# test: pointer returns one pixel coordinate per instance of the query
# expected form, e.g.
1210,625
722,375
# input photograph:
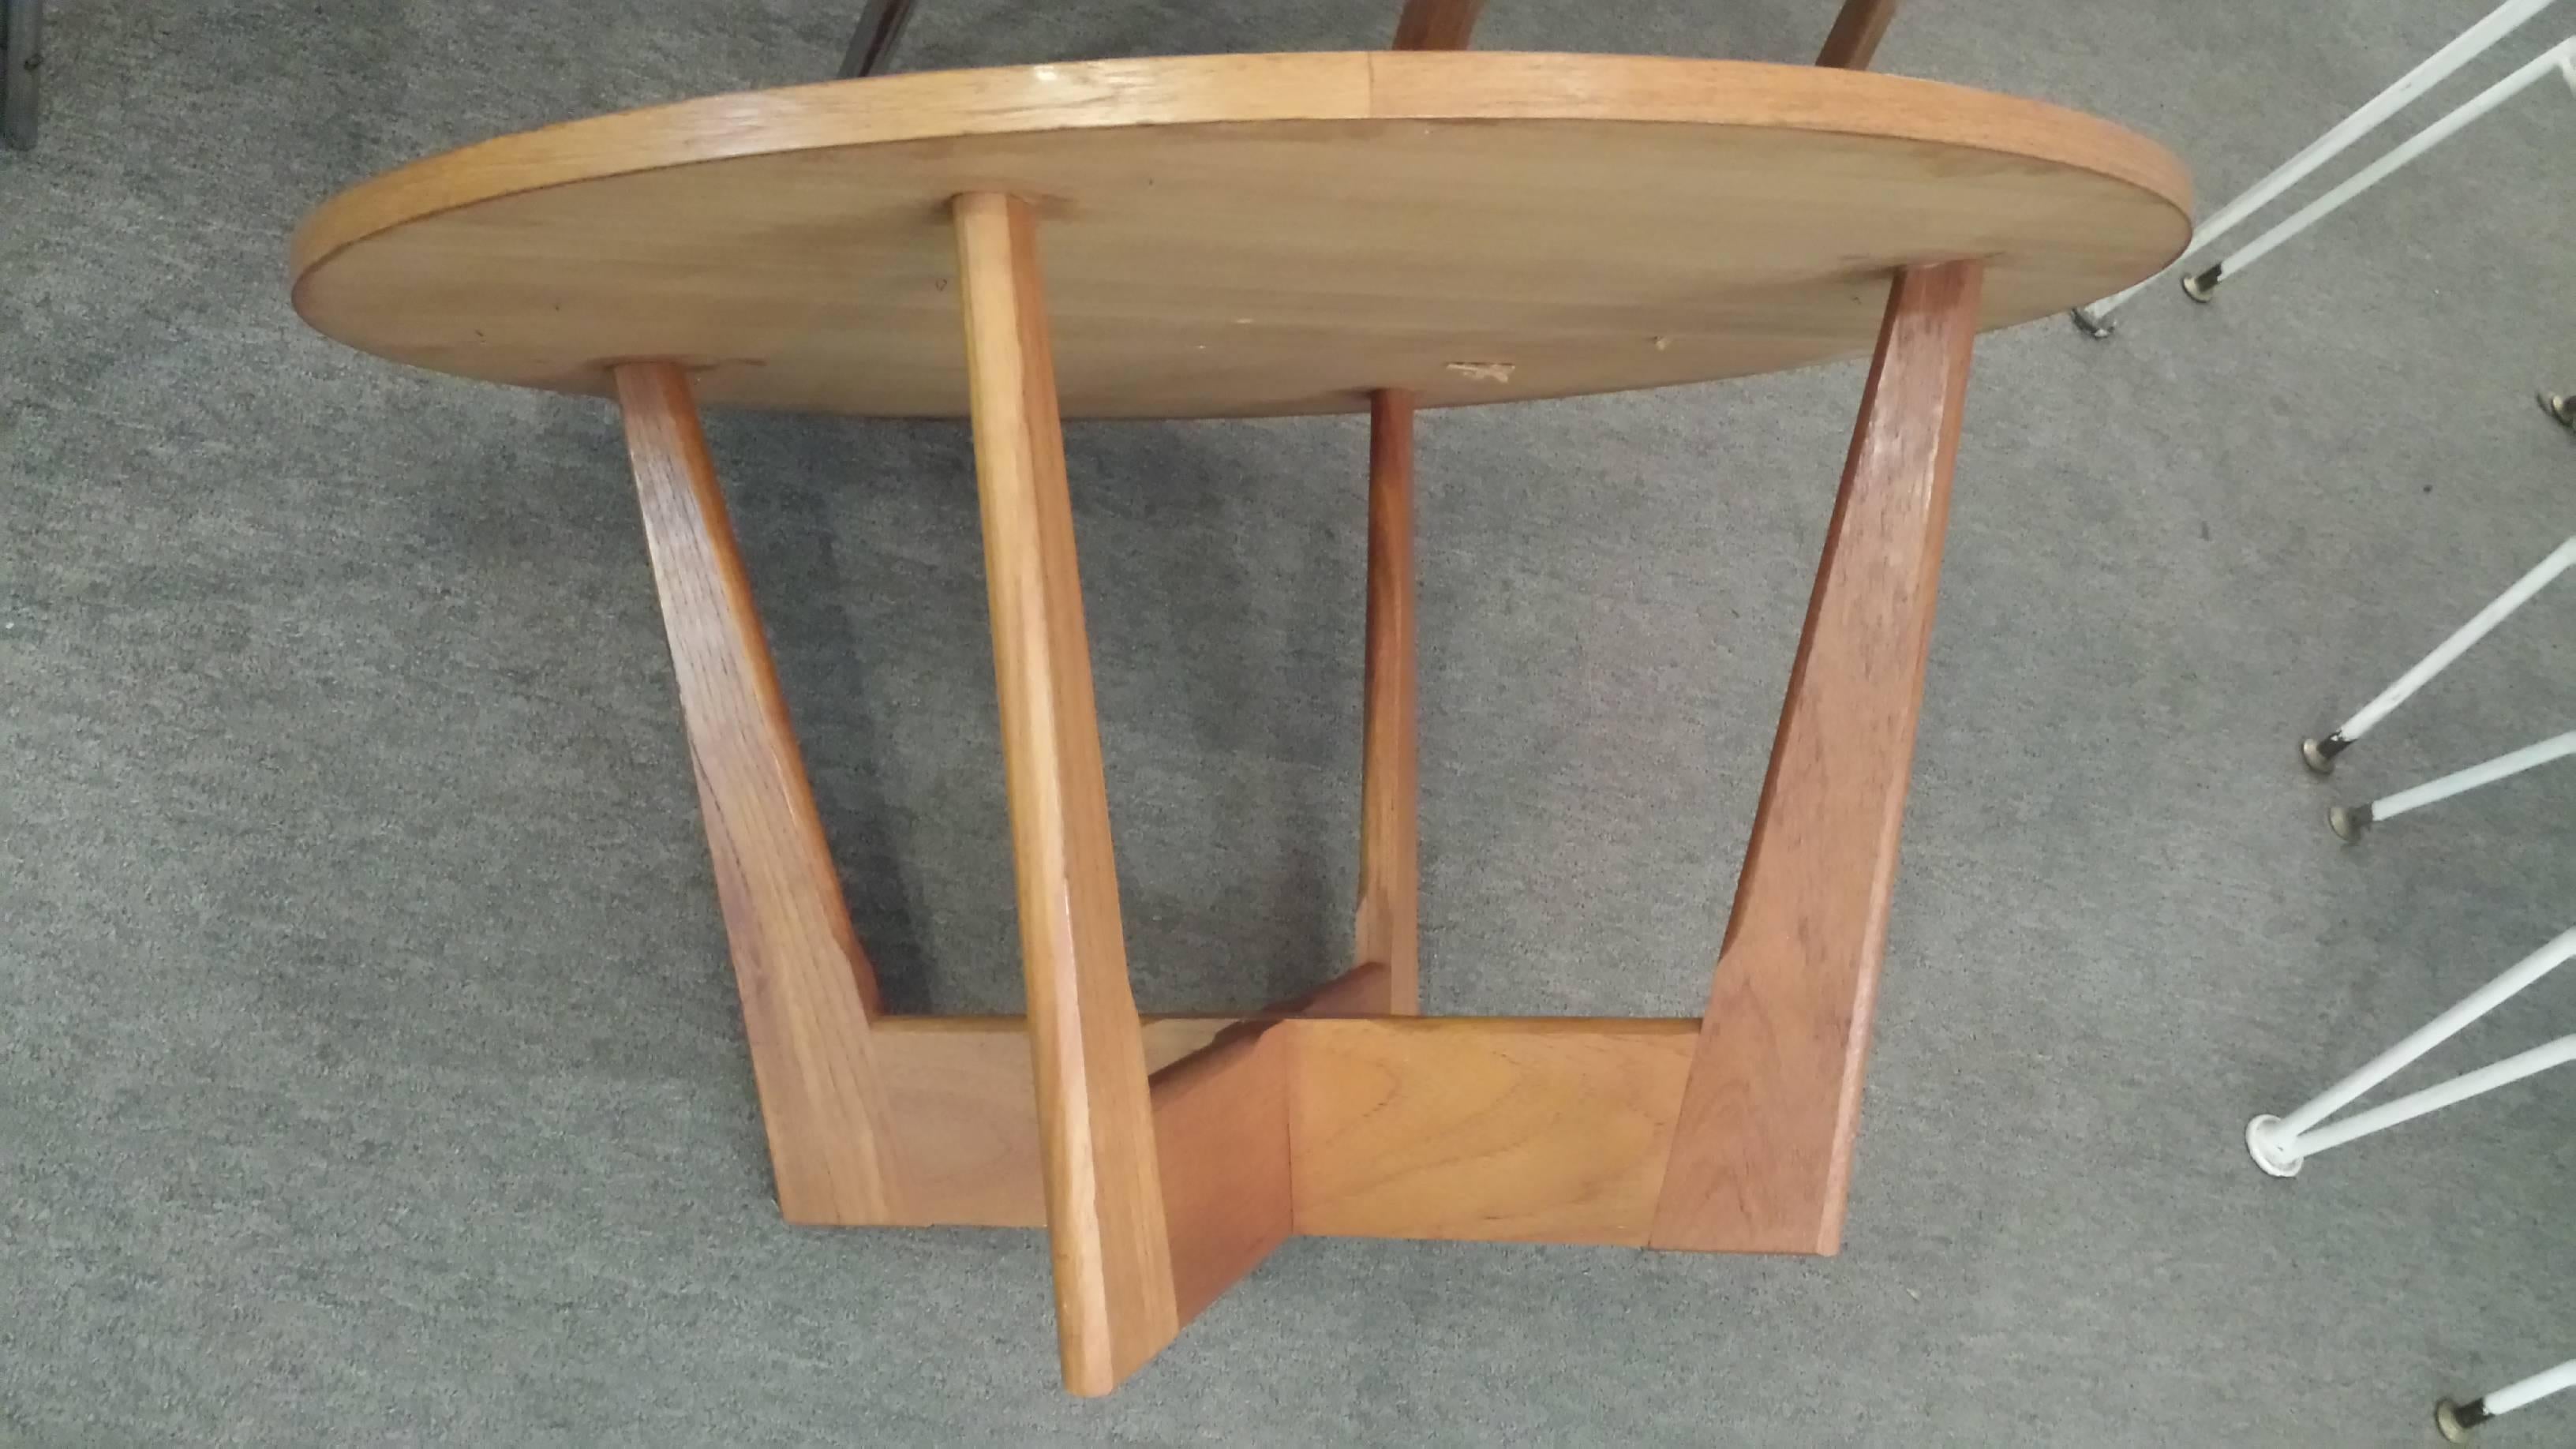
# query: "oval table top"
1241,235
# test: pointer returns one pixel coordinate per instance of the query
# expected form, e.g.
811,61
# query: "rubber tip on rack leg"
2559,405
2097,328
2456,1420
2262,1140
2319,755
2348,822
2201,286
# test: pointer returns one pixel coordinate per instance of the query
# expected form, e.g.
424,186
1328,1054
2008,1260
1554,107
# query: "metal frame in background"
22,57
2095,321
2281,1145
880,26
2200,286
2456,1420
2348,822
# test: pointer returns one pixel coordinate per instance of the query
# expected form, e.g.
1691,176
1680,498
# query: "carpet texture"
369,1066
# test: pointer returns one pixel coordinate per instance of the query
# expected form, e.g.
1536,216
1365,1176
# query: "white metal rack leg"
2281,1145
2202,285
2456,1420
2320,753
2095,320
2348,822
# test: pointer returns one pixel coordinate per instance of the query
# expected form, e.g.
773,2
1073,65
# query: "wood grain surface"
807,990
1221,1121
1550,1130
1387,931
1762,1156
964,1103
1529,1130
1112,1253
1242,235
1250,235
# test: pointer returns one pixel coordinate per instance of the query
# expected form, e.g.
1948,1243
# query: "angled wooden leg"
1389,921
1436,24
1113,1262
1762,1151
807,990
1856,33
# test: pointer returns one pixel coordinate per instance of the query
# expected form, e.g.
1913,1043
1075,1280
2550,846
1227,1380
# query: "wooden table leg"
1437,24
1388,929
1856,33
1114,1296
807,990
1762,1152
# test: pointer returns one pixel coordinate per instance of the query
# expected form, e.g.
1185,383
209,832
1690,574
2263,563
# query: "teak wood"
1242,235
807,989
1113,1258
1764,1147
1246,235
1221,1125
1548,1130
1388,925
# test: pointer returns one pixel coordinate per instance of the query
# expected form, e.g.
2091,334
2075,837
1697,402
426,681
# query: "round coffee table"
1257,235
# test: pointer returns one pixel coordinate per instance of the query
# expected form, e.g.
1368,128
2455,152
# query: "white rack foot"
2263,1139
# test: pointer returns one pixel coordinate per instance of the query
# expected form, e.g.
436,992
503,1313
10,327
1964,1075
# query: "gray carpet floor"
369,1065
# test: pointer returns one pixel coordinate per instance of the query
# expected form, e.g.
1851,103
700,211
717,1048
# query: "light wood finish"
1221,1121
1437,24
1531,1130
1113,1263
965,1085
1242,234
1763,1153
963,1090
1548,1130
1858,27
807,990
1388,929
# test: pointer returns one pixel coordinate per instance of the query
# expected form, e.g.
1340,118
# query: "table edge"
1218,89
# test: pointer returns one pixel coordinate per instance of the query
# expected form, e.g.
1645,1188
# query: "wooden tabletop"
1241,235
